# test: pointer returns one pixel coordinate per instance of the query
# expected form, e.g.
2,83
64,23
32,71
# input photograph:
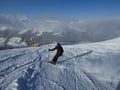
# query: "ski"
83,54
51,62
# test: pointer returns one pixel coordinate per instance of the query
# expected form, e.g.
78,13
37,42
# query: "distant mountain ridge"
49,29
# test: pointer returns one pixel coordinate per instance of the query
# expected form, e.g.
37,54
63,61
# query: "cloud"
55,29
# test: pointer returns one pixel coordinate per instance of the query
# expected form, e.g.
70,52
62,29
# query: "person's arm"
53,49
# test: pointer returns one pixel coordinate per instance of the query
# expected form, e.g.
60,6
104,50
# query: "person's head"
58,44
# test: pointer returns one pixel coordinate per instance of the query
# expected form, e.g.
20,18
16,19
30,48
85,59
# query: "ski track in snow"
9,72
28,69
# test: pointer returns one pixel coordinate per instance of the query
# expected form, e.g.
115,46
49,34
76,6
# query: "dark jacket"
59,50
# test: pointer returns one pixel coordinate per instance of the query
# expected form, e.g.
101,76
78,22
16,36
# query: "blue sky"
62,8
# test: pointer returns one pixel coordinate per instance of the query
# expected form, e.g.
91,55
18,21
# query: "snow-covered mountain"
93,66
49,29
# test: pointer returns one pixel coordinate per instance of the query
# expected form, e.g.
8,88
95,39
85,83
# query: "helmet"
58,44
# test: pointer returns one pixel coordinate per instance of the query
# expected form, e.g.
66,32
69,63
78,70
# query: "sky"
62,8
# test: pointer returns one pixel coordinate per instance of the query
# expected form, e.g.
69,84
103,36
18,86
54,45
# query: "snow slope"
93,66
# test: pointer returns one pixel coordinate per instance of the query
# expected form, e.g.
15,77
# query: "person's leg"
55,59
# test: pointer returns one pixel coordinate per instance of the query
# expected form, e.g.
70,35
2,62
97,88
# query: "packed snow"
90,66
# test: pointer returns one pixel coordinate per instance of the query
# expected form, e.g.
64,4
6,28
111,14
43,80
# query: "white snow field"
91,66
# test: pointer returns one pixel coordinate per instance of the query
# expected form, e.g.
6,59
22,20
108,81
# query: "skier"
59,53
30,42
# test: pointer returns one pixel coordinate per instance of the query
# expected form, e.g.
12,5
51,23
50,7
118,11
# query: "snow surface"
2,40
16,42
23,31
93,66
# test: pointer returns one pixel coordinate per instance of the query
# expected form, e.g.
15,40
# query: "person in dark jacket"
59,53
